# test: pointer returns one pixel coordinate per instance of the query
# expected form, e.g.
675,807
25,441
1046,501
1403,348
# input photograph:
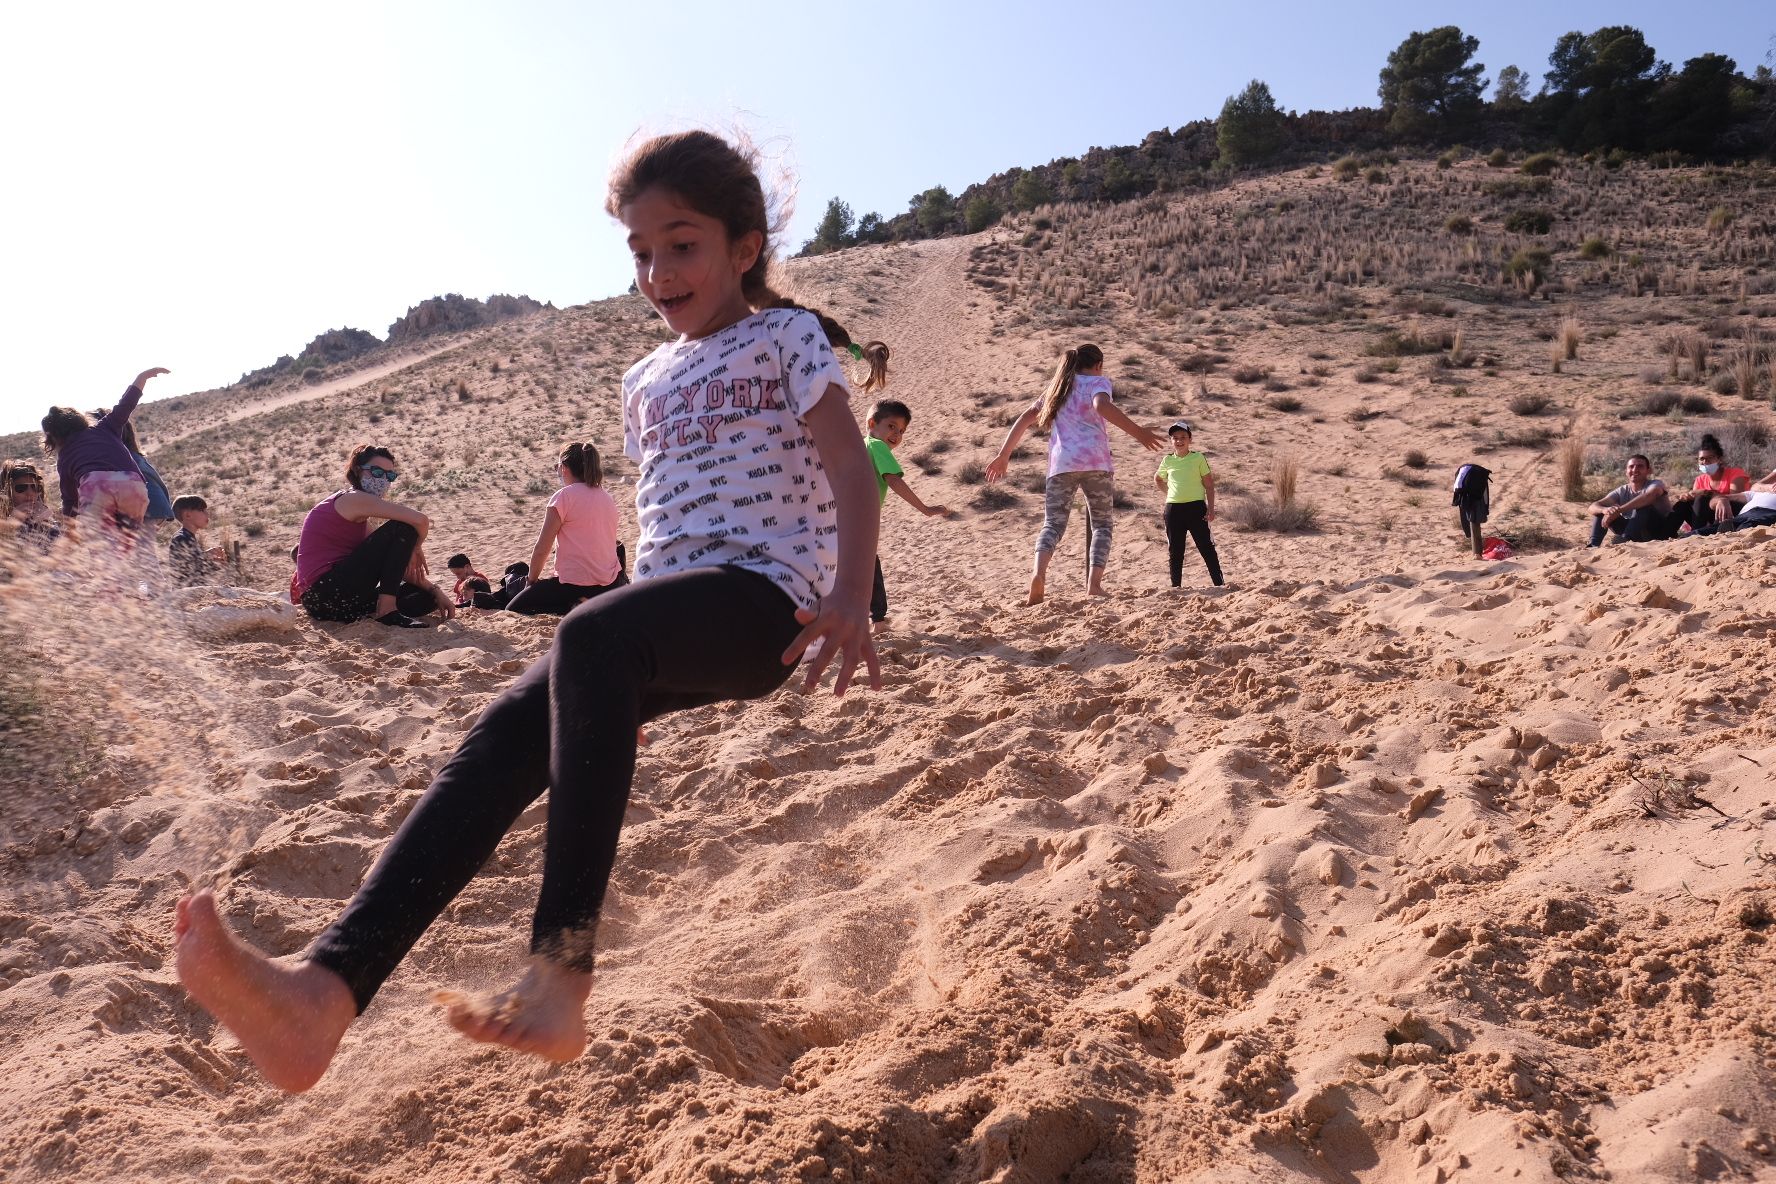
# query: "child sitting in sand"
746,560
468,580
1074,411
580,526
97,472
888,425
1189,487
191,561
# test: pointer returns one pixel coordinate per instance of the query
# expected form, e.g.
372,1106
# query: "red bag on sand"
1495,548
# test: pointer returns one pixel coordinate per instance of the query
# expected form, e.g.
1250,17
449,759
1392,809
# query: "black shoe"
400,620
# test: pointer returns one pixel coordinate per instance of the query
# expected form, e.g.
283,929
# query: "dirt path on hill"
319,390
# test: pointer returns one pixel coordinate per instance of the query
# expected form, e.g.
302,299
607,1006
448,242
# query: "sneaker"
400,620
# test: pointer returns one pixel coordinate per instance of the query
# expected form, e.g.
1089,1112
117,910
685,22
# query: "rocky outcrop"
452,313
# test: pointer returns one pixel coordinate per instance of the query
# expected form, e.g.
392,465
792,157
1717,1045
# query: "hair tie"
856,351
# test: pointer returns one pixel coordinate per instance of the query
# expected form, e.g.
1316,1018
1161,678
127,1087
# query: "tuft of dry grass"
1530,403
1572,469
1283,513
1569,335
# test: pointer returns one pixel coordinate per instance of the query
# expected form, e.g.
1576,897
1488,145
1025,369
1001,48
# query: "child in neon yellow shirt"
1190,503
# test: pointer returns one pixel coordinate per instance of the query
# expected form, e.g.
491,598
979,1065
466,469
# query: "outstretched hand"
1152,441
840,633
152,372
996,469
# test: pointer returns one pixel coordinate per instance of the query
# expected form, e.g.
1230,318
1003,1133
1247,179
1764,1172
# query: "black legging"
554,598
1185,521
878,595
347,591
567,725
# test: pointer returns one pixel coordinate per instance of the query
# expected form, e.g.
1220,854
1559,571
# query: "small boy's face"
1181,443
461,571
890,429
195,520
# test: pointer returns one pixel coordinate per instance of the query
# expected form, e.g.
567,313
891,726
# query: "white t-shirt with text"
729,474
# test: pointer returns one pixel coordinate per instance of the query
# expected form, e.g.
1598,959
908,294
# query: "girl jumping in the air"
1074,411
758,535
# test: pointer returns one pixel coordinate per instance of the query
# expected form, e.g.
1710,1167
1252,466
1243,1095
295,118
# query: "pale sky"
207,186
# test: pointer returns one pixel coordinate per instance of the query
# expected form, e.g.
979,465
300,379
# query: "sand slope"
1380,864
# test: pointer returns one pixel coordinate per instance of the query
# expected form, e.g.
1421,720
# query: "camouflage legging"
1058,507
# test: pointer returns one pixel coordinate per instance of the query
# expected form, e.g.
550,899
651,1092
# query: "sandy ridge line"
319,391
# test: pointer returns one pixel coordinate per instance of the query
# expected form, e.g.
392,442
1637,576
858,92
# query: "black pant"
1740,521
554,598
567,725
1644,525
878,595
347,591
1185,521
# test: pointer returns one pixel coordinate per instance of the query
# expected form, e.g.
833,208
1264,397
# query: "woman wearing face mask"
1706,502
345,571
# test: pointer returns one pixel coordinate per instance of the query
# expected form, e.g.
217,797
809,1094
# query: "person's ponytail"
756,285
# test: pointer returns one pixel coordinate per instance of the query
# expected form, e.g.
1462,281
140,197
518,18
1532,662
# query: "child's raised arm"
842,622
1151,441
119,415
1002,462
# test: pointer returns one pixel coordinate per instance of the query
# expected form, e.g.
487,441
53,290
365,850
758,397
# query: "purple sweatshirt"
98,449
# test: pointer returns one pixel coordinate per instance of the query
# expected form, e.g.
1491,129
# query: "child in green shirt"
1190,503
888,425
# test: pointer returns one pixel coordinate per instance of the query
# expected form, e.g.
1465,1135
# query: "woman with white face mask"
346,571
1706,502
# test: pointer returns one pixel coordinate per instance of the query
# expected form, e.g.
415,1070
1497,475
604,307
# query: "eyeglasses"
380,472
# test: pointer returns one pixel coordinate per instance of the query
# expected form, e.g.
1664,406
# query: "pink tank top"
326,539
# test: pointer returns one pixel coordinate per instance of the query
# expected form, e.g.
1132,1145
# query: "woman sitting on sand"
581,527
1706,502
345,571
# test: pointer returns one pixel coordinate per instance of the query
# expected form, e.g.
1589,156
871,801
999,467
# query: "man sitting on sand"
1757,507
1634,512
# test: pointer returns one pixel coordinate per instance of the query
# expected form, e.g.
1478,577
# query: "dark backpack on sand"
1472,500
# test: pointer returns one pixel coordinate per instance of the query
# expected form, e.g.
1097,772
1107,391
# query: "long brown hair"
582,461
720,181
61,425
14,470
1084,357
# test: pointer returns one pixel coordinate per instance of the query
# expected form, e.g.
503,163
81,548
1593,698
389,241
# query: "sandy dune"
1381,863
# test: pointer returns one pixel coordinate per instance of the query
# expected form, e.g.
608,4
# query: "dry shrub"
1283,513
1415,459
1572,470
1570,334
1530,403
972,472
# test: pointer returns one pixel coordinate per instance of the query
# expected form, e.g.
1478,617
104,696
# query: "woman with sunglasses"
22,507
345,571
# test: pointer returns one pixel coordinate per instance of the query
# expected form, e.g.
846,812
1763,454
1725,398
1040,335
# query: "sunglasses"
26,487
379,471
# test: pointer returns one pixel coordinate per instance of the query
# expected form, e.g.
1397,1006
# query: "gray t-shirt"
1622,493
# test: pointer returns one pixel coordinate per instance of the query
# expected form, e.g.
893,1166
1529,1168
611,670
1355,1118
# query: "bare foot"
1096,590
878,627
1036,589
289,1016
543,1014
